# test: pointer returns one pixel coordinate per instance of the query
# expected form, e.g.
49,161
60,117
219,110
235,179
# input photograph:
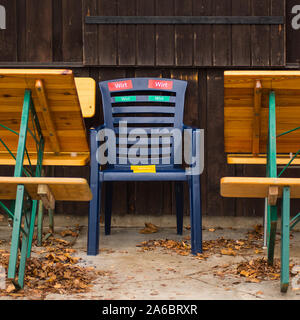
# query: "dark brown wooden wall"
204,108
52,33
55,31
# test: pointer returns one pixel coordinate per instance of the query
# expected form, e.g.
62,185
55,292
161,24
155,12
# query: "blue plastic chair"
133,100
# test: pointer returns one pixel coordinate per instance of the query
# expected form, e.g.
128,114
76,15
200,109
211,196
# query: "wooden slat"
216,161
184,36
241,35
260,36
86,88
46,196
38,30
71,159
278,41
203,42
261,159
222,36
57,31
146,35
126,34
63,189
107,35
257,187
165,38
72,46
90,34
256,118
48,119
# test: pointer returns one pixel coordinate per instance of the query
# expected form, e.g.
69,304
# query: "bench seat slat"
235,187
63,189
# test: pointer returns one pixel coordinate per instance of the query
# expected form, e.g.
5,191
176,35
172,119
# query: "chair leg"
94,220
196,215
179,206
108,207
285,240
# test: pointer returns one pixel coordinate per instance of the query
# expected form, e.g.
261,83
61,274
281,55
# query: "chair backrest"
146,105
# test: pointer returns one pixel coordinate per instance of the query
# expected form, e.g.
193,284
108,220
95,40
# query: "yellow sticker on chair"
143,169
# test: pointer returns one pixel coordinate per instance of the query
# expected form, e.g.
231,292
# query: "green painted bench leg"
285,240
16,233
272,235
40,224
32,226
24,249
272,173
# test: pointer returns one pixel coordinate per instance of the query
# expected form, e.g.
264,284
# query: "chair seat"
160,175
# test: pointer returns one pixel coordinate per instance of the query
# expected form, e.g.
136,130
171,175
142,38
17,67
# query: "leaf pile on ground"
258,270
53,269
221,246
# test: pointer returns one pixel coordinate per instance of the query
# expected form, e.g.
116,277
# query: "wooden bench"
41,124
262,111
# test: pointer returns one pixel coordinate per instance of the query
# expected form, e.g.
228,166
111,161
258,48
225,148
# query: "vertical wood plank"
260,44
127,34
241,35
165,35
146,34
107,34
184,36
39,31
90,33
72,31
216,159
222,35
21,31
57,30
278,35
202,107
203,39
8,37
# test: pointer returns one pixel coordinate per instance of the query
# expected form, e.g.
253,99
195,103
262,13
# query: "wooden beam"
262,20
273,195
256,117
46,196
40,90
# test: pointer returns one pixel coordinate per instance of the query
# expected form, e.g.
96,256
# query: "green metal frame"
287,224
23,209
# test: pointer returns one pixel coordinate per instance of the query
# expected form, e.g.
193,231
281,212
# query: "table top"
240,97
67,100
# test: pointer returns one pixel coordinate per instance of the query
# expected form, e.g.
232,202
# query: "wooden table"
41,123
262,126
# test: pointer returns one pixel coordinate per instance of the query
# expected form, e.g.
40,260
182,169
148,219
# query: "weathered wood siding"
53,33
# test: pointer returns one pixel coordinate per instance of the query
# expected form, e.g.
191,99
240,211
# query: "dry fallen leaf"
149,228
10,288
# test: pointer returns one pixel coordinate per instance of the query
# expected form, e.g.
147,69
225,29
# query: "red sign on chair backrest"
159,84
120,85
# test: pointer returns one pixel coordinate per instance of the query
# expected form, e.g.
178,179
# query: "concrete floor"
165,275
